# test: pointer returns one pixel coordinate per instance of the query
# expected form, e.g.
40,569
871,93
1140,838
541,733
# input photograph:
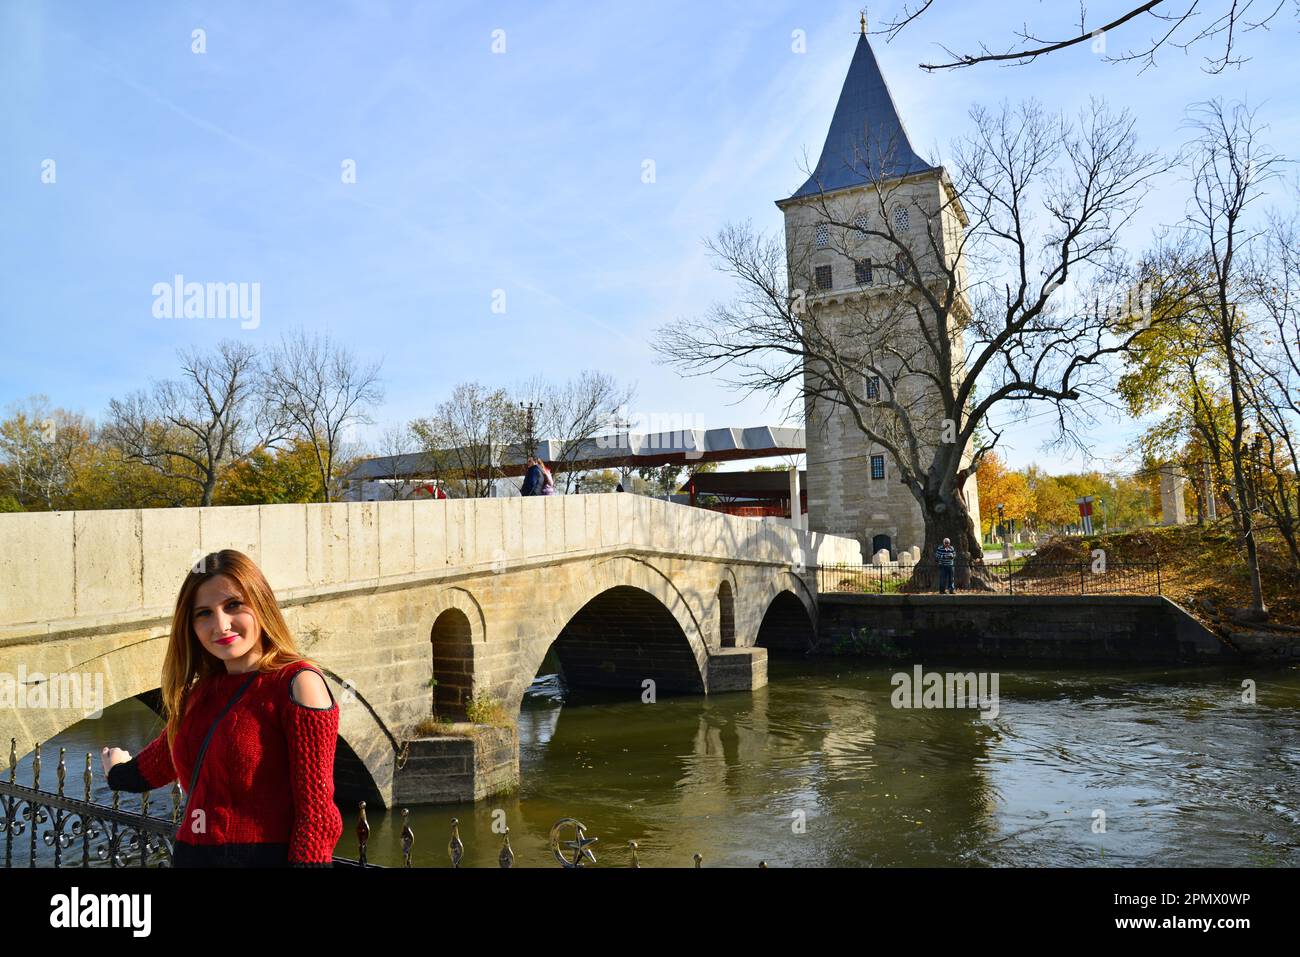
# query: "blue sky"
475,171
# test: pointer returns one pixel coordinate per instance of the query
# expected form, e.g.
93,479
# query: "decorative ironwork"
1010,577
580,845
507,856
106,834
455,847
363,833
408,838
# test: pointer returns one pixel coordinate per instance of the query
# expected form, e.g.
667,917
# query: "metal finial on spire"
863,20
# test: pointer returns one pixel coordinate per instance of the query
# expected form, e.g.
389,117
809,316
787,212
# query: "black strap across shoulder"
198,762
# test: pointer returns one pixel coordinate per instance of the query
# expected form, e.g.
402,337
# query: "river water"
1133,767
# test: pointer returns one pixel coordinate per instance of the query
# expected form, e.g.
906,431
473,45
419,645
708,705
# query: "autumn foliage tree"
999,485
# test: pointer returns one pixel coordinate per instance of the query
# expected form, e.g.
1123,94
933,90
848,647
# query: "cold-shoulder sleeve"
147,771
311,735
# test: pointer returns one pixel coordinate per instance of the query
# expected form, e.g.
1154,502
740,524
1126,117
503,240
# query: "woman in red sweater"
264,795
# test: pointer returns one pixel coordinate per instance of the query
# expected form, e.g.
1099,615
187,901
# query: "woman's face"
225,626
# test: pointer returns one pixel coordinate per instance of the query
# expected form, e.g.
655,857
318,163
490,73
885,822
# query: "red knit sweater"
268,776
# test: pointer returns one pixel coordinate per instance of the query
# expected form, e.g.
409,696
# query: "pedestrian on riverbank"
533,478
945,557
251,729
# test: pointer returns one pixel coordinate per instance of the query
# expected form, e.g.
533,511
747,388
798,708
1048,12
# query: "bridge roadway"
415,606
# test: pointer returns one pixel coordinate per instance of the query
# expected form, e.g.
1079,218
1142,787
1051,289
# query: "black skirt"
230,855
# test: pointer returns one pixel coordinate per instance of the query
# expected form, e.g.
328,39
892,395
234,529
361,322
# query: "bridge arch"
452,665
726,615
627,622
463,600
458,626
365,755
789,621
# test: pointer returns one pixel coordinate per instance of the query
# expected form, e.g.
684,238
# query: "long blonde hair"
188,661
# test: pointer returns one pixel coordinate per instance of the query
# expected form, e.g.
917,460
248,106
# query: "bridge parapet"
63,571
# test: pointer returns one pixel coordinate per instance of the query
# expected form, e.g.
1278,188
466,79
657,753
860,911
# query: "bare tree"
571,413
1180,24
1229,166
193,427
321,391
1273,364
1035,202
466,435
395,445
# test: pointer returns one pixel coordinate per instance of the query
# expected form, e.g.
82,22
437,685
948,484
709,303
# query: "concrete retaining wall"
1082,628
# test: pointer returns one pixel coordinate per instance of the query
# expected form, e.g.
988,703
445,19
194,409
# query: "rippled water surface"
819,769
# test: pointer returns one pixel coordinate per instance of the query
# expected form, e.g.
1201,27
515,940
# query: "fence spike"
363,832
88,777
455,847
635,862
507,856
408,837
62,770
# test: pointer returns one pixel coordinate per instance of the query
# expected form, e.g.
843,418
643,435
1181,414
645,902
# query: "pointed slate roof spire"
867,141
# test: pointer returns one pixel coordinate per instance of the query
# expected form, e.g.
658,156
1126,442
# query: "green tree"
273,477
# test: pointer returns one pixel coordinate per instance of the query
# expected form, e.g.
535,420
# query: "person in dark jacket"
946,556
533,478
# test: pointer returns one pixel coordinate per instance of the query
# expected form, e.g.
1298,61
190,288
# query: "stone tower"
868,173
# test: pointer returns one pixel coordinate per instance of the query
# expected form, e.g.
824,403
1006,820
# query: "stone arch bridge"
413,608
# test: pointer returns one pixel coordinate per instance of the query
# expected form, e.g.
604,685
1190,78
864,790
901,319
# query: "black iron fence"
1012,577
53,829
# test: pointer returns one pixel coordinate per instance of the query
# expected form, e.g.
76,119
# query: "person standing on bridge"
249,712
548,480
945,556
532,478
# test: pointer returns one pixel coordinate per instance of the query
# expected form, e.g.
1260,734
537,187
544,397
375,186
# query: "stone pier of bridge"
414,609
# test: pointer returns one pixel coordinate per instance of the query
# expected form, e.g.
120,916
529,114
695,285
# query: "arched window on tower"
902,221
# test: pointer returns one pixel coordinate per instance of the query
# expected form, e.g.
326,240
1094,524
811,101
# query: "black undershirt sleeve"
127,777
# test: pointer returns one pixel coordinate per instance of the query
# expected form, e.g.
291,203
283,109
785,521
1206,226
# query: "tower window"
872,389
862,272
861,223
901,219
877,466
900,265
823,277
823,234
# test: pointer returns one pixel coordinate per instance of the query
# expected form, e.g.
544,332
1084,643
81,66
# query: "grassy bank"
1202,568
